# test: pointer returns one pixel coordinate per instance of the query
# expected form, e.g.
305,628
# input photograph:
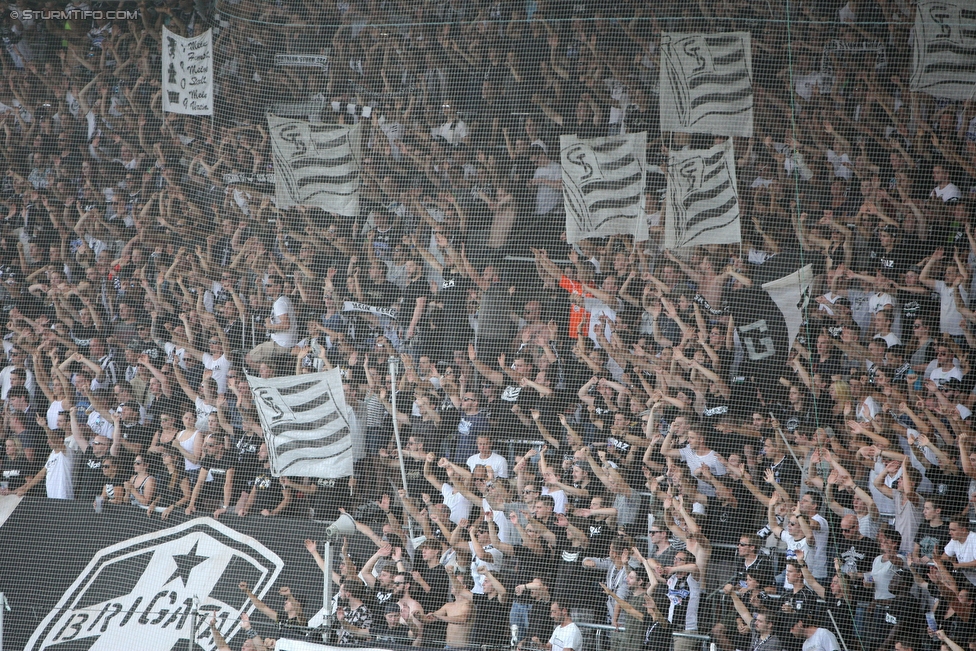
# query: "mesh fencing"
672,297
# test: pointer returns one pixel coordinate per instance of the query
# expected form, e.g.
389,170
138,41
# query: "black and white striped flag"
702,204
706,83
945,49
316,164
603,186
307,425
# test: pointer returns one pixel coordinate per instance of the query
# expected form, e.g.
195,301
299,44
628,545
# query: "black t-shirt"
491,621
89,478
451,320
953,490
507,422
412,294
599,534
219,469
928,537
16,471
137,434
761,570
246,448
383,294
162,405
329,496
804,602
268,491
82,335
378,597
843,613
528,566
892,264
858,556
905,612
786,473
440,588
168,490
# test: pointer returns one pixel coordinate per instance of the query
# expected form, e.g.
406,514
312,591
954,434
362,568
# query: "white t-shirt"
52,414
219,367
547,198
502,524
795,545
949,316
566,637
963,553
458,504
818,558
453,132
821,640
694,462
558,497
100,425
496,462
6,384
58,476
284,338
940,377
882,572
493,565
948,193
203,411
174,354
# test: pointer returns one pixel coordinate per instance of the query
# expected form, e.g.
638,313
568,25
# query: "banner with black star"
119,580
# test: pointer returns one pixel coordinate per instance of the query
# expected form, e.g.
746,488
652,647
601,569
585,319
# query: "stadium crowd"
586,440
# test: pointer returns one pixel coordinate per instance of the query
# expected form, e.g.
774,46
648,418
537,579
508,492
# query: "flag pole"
394,364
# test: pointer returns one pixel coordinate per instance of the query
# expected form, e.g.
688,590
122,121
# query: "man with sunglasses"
661,549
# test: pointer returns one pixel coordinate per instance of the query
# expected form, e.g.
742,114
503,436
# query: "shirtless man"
710,283
401,592
459,614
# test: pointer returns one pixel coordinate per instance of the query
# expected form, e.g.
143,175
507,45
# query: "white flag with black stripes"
316,164
945,49
603,186
307,424
702,201
706,83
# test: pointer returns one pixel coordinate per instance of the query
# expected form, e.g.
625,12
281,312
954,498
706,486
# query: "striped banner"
316,164
702,204
945,49
706,83
603,186
306,423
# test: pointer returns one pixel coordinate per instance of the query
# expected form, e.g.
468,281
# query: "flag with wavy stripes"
316,164
706,83
307,424
603,186
702,200
945,49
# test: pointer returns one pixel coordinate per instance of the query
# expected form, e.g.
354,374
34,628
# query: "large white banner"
945,49
706,83
603,186
307,424
791,295
188,73
316,164
702,200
